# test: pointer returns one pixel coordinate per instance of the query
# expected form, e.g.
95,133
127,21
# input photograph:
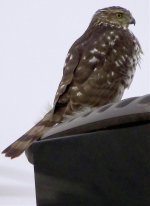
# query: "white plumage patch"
108,82
62,86
75,88
94,51
120,62
95,69
123,58
108,37
103,45
112,32
114,51
112,73
112,43
71,57
103,53
79,94
93,60
116,37
117,64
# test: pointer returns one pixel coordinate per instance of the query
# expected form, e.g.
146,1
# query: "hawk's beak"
133,21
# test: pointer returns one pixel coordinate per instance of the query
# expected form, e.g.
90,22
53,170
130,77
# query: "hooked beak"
133,21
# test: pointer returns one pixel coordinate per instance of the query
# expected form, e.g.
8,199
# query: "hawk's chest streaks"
109,49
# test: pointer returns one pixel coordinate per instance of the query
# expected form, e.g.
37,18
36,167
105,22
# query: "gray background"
35,36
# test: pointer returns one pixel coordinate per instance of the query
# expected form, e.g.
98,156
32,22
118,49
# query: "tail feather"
19,146
35,133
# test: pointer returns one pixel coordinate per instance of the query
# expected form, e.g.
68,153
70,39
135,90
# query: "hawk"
99,66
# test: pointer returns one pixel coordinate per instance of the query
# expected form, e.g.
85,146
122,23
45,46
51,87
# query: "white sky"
35,36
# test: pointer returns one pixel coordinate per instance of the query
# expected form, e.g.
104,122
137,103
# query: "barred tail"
35,133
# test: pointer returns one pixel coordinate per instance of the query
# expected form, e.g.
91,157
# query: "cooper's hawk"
99,66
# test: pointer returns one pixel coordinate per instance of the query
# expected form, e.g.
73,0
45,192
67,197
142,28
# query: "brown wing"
62,97
71,63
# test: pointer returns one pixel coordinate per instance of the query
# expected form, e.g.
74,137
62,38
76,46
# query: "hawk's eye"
119,15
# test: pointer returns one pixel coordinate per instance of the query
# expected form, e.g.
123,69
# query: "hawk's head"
116,16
